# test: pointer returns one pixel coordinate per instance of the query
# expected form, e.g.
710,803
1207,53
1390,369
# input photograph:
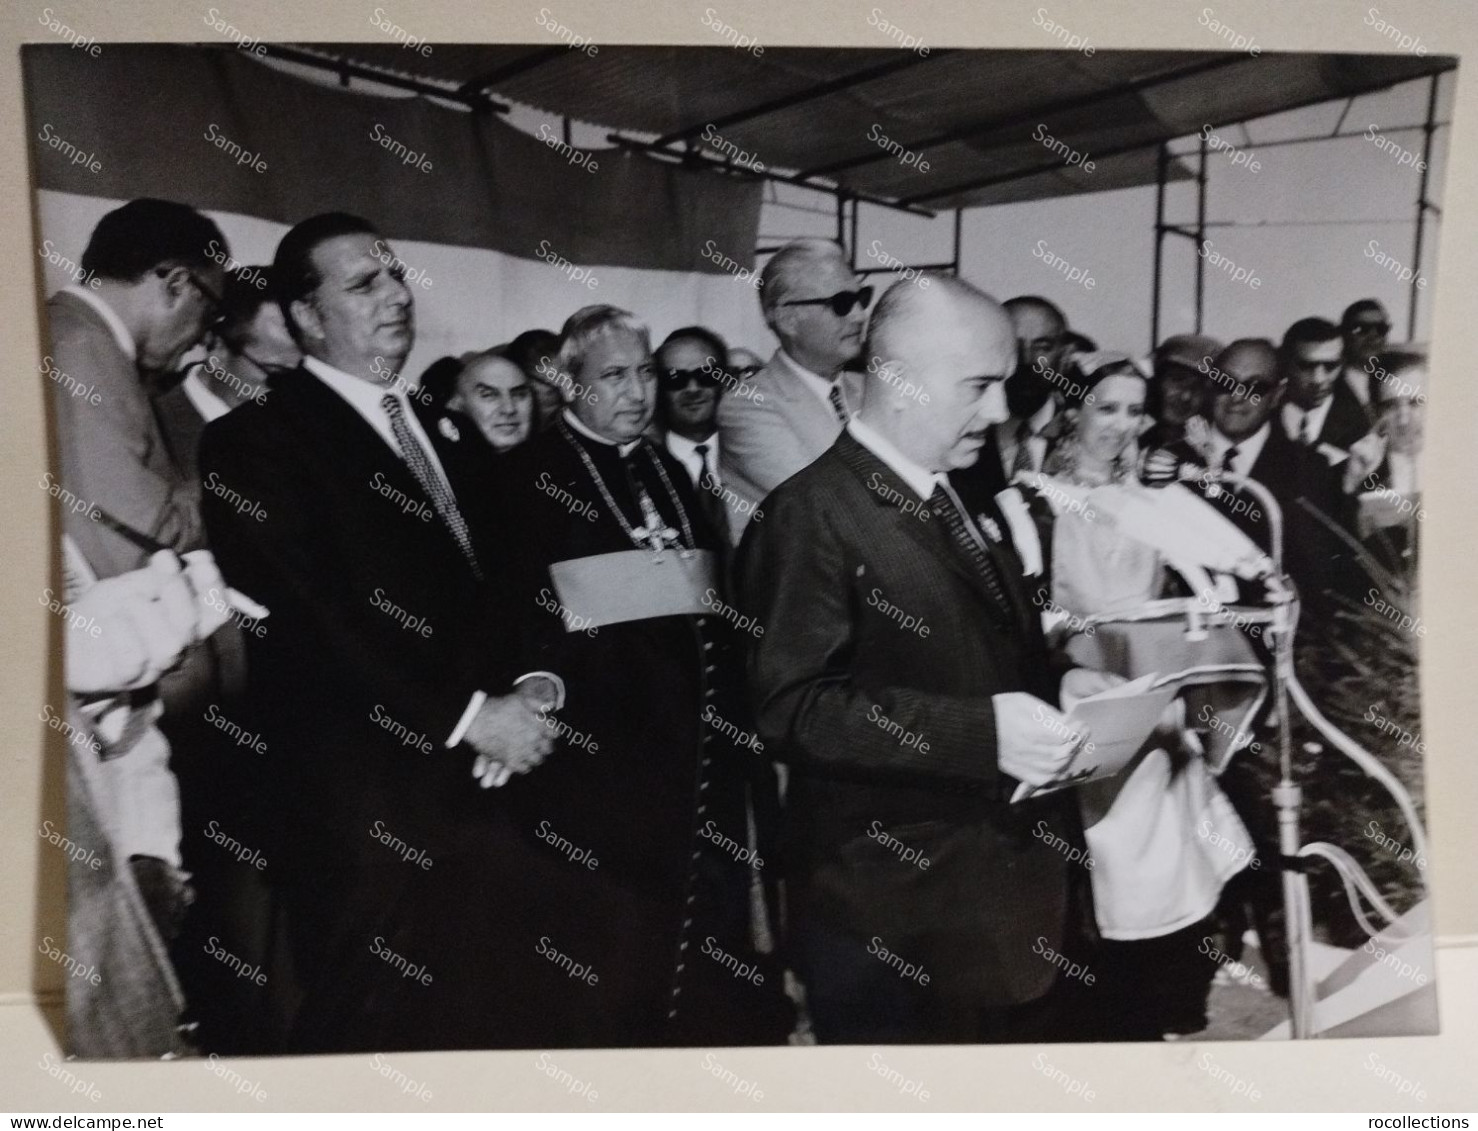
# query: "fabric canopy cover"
150,116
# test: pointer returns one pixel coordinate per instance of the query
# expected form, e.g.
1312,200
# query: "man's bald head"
1247,387
937,358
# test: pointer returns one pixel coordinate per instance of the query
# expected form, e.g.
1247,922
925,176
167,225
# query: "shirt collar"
685,449
574,422
1293,417
1247,450
365,396
110,318
1043,416
208,403
920,481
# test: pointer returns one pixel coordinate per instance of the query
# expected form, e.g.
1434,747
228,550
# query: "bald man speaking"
903,677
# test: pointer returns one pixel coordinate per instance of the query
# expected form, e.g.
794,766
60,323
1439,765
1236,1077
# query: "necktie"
708,496
1229,458
1306,436
1023,459
420,466
972,548
838,406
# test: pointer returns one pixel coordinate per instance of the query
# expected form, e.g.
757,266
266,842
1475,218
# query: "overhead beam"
693,157
342,66
800,97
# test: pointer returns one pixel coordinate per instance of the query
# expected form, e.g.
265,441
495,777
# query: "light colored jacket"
769,435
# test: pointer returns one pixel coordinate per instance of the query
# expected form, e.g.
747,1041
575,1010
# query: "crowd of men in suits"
533,703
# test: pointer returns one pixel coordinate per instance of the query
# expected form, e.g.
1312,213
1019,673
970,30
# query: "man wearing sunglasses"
1364,325
690,365
1318,411
814,303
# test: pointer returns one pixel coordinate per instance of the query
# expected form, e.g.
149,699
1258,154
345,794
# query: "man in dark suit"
902,674
1319,411
248,345
385,677
1245,443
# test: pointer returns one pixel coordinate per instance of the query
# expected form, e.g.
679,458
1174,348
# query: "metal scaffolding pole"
1162,162
1428,129
1201,237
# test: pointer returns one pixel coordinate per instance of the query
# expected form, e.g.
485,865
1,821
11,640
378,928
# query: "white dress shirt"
365,398
1294,420
920,481
108,315
205,400
1247,450
686,453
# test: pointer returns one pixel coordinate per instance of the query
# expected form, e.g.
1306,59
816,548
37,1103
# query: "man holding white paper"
903,676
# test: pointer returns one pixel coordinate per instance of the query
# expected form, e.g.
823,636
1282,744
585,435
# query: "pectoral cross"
653,529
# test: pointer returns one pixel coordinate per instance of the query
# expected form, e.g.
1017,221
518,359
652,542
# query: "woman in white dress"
1163,838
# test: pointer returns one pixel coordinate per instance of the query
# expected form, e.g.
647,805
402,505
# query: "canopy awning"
995,126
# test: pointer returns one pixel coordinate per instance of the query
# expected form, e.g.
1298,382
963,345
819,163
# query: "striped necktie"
971,547
710,499
838,405
436,489
1023,460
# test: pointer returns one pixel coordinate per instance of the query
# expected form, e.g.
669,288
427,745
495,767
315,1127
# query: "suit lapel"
336,427
888,491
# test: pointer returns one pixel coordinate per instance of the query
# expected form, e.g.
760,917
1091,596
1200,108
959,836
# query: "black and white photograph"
566,545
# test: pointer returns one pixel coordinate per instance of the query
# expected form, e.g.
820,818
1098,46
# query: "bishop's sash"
633,585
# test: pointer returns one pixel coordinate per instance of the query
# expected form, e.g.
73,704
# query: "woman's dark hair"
439,381
526,350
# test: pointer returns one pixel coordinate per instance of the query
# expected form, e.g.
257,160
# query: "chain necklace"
654,533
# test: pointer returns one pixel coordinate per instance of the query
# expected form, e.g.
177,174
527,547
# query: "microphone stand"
1287,795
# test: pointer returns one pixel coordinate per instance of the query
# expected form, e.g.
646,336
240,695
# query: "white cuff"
473,706
480,697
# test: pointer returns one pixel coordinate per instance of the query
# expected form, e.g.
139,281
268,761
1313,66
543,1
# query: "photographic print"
568,545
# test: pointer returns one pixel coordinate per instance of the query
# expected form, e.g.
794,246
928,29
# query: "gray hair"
589,323
779,276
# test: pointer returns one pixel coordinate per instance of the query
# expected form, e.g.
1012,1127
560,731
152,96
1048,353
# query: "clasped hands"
512,733
1036,741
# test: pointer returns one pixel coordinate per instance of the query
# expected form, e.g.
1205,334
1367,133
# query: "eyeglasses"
1370,328
212,300
1246,390
841,303
675,379
746,371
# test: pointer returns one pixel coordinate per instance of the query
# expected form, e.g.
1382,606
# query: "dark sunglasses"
1371,328
841,303
675,379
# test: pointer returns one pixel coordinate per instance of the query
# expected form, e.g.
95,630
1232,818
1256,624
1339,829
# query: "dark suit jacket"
831,673
110,448
1299,478
182,425
379,632
1346,422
